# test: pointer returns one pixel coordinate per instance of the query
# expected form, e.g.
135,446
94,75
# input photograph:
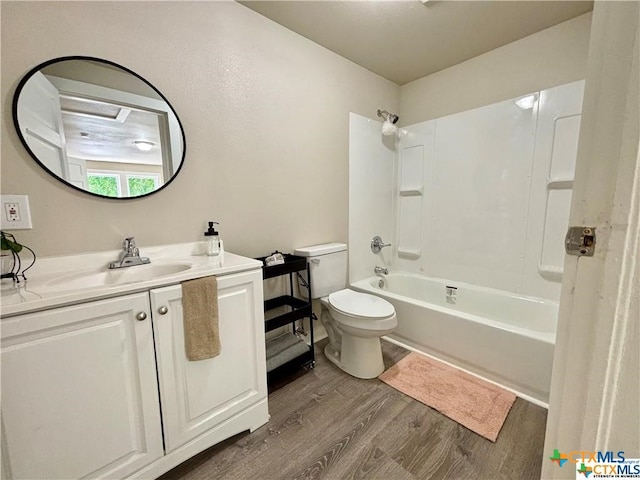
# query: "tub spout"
381,271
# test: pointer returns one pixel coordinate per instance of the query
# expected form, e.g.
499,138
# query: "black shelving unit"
288,352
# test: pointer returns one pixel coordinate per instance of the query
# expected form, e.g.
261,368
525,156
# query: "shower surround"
480,198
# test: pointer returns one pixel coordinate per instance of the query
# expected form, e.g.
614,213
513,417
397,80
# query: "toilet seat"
357,304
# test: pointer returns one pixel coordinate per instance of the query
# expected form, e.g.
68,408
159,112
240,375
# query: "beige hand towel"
200,309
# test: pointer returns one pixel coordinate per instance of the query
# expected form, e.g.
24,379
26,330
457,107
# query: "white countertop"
46,286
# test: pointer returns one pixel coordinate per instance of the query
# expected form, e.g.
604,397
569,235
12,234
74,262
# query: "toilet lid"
360,304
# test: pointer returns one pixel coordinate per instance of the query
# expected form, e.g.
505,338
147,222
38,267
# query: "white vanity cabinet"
79,391
198,398
104,389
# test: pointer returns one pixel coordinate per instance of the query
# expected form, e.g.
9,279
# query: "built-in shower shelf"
550,272
559,183
411,192
411,254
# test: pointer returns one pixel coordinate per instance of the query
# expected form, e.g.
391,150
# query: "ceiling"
105,131
403,40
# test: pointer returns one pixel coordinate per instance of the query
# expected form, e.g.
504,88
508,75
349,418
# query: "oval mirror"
99,127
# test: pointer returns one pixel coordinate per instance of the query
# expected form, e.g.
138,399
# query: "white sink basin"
110,277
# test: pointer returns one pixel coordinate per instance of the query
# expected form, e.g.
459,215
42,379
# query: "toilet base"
360,357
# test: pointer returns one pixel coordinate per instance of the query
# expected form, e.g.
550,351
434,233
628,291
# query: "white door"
78,172
79,391
595,386
40,120
197,396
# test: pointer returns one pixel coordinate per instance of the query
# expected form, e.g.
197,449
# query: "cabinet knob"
163,310
141,316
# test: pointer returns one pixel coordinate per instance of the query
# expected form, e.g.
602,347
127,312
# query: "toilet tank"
328,266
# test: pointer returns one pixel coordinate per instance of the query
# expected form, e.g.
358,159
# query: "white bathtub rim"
461,284
515,391
547,337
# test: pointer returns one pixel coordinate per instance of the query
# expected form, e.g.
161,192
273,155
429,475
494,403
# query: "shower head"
389,117
388,128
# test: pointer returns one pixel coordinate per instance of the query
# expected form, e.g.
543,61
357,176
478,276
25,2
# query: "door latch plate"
580,241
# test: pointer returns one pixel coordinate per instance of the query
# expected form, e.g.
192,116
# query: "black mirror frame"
37,68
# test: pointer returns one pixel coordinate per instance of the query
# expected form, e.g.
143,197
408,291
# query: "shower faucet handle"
377,244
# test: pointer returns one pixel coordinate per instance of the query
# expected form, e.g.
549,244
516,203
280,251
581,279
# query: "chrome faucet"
377,244
129,256
381,271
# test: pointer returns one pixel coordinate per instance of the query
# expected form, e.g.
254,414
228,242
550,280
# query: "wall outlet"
12,211
15,214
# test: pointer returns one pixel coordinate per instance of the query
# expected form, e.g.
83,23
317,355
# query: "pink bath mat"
478,405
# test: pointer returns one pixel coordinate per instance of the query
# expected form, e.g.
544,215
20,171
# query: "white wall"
265,113
551,187
554,56
477,205
372,167
476,189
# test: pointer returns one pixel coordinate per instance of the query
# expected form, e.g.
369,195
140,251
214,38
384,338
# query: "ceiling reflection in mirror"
99,127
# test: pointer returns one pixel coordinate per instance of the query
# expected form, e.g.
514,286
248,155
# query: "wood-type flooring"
326,424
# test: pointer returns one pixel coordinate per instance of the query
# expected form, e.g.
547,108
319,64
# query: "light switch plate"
15,214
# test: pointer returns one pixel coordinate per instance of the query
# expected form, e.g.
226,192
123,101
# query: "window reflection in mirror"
99,127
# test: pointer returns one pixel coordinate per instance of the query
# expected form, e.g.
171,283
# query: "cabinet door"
197,396
79,391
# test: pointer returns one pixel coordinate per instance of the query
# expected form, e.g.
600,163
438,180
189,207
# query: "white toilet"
354,321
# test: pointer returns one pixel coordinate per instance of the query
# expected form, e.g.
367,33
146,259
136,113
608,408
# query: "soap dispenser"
212,240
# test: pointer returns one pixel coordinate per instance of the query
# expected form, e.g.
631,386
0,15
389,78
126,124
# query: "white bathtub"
503,337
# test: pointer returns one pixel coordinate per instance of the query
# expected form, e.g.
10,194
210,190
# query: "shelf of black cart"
283,310
303,360
284,349
292,263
